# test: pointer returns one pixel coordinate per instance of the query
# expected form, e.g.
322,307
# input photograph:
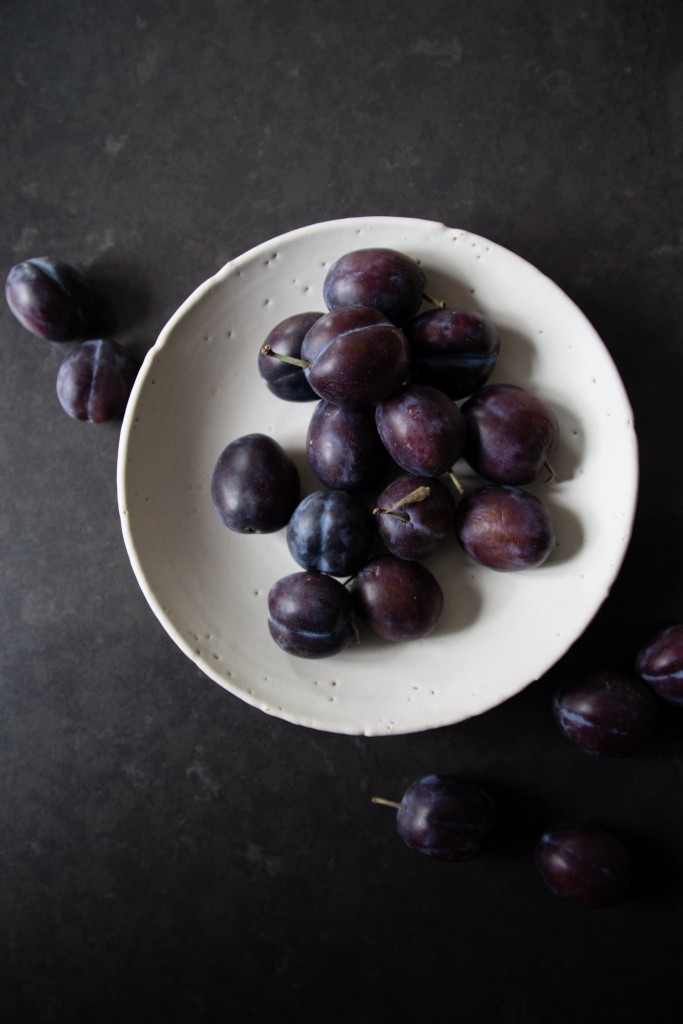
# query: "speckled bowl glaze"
199,389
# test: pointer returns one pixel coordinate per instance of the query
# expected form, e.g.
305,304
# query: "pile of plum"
388,380
54,301
605,714
401,396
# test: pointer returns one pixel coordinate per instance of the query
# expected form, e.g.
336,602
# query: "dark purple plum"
396,598
422,429
50,298
355,356
413,515
330,531
444,817
452,349
94,381
255,485
660,664
310,615
505,528
510,434
583,864
382,279
343,447
287,380
606,713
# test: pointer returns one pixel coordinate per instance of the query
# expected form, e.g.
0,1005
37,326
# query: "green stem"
456,483
388,803
266,350
439,303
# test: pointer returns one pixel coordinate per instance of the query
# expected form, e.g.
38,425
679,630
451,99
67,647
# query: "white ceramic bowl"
199,388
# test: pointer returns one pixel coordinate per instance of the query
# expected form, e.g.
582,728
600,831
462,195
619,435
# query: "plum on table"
606,713
583,864
94,381
444,817
50,298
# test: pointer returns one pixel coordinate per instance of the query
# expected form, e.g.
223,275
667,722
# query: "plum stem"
552,477
439,303
419,494
388,803
456,483
266,350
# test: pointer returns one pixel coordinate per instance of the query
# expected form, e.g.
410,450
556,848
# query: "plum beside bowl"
199,388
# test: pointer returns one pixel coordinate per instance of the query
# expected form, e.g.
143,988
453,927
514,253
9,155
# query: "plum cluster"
450,818
54,301
401,395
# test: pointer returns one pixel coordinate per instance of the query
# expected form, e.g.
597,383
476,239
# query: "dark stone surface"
167,852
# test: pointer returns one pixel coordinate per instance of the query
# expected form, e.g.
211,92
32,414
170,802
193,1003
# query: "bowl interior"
199,389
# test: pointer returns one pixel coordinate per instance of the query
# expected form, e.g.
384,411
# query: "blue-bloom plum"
330,531
660,664
505,528
583,864
413,515
94,381
50,298
287,380
382,279
397,598
255,485
511,434
606,713
444,817
422,429
310,615
453,349
343,447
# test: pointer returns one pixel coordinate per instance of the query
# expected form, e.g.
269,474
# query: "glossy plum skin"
505,528
357,356
417,528
310,615
422,429
583,865
50,298
446,818
286,380
255,485
94,381
343,447
397,599
382,279
510,434
660,664
330,531
453,349
606,713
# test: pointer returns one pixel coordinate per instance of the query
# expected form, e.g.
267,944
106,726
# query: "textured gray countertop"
166,851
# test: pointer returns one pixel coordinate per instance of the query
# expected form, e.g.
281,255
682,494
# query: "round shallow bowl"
199,389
